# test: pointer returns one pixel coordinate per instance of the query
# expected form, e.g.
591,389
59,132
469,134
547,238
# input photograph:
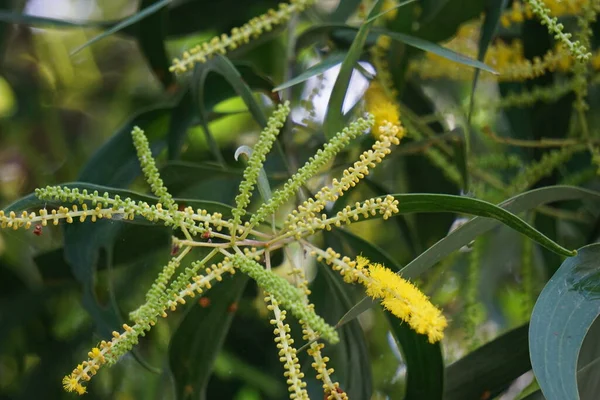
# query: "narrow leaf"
329,62
476,227
200,336
561,318
125,23
435,49
334,118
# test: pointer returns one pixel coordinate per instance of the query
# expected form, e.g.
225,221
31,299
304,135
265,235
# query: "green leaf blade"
562,316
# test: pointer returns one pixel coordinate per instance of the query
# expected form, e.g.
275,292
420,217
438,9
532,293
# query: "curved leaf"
434,48
125,23
197,341
476,227
424,362
563,314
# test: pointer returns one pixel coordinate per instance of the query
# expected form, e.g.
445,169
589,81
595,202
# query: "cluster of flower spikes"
243,252
508,58
239,36
521,11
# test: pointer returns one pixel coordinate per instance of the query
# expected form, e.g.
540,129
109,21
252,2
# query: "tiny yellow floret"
71,384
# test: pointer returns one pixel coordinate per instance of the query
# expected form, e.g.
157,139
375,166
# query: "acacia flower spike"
255,163
251,30
539,8
397,295
306,213
289,296
286,351
142,147
310,168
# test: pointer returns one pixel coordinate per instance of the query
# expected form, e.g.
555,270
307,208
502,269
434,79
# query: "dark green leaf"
115,163
125,23
424,362
442,20
334,120
152,35
182,118
397,6
224,67
563,314
428,202
490,369
200,336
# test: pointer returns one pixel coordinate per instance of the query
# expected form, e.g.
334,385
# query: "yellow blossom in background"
382,108
387,5
404,300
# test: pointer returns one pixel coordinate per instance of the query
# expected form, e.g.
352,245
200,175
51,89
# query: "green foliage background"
67,118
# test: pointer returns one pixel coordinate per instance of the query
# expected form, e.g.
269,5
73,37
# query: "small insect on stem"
175,249
37,231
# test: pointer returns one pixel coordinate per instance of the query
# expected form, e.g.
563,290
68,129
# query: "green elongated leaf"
232,80
334,120
424,362
329,62
155,7
476,227
382,13
435,48
182,119
490,369
179,175
152,34
115,163
200,336
441,21
563,314
344,10
224,67
460,204
588,363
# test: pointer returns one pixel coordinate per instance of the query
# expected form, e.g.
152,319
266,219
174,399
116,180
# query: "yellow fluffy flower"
72,384
383,109
404,300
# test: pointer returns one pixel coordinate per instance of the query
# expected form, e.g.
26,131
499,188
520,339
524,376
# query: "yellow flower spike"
405,301
382,108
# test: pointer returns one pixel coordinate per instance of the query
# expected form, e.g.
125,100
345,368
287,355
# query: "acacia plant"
508,164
